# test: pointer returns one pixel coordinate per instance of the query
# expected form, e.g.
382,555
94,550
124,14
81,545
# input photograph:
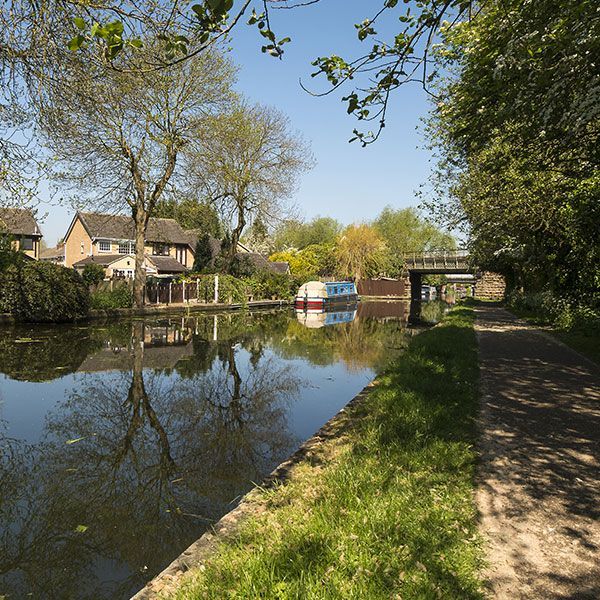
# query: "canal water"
120,443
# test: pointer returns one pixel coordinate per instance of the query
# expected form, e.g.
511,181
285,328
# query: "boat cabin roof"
322,290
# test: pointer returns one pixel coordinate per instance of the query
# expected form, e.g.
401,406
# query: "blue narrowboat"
316,318
316,294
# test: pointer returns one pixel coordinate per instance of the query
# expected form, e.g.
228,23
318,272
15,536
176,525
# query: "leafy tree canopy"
191,214
361,252
517,128
297,234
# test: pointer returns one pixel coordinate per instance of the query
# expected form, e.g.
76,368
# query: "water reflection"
427,312
315,319
158,426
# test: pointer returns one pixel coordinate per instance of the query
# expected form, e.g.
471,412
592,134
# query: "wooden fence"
183,292
383,287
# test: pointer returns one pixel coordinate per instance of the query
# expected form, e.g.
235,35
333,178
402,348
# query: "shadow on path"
539,475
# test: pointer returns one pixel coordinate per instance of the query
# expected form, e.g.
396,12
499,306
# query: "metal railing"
450,259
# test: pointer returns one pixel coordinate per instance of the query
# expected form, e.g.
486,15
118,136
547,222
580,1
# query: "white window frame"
130,247
104,242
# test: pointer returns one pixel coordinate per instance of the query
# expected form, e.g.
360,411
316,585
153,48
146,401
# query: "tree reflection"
133,467
153,444
365,343
37,353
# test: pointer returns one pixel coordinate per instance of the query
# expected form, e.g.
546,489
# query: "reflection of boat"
316,294
315,318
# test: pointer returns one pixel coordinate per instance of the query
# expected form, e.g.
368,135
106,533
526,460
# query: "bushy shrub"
93,274
43,292
309,263
120,297
560,312
8,255
263,284
231,289
203,254
267,284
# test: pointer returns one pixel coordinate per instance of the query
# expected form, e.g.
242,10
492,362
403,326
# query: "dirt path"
539,477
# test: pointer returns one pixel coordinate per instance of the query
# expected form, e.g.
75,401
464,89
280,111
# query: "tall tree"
293,233
249,165
361,252
518,129
191,214
119,133
405,231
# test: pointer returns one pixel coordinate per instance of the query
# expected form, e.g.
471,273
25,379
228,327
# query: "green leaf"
136,43
79,23
115,27
81,528
75,440
76,43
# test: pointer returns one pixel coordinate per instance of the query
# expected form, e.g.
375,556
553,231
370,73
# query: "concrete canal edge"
149,310
251,504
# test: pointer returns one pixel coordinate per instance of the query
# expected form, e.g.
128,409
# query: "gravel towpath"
539,475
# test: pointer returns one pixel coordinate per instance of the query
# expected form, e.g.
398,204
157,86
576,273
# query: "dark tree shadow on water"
133,468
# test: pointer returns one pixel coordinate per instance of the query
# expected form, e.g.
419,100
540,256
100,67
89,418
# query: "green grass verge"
390,512
588,343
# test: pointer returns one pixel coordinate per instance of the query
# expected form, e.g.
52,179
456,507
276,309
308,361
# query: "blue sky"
348,182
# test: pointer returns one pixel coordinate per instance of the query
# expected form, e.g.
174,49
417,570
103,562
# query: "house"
108,240
54,255
21,226
257,260
260,262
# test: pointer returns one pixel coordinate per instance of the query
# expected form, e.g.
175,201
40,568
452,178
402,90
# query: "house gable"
20,224
78,242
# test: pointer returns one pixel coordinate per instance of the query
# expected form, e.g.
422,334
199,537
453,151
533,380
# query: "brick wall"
490,285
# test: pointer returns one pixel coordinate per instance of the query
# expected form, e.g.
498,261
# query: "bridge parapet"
452,260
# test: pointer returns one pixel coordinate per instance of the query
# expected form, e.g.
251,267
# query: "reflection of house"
165,335
21,225
164,346
120,359
108,240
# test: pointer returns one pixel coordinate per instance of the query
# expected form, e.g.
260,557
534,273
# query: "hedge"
43,292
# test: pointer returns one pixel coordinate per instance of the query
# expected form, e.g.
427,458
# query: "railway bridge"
451,262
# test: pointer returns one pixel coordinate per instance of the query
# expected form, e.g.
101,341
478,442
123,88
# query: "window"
104,246
26,243
126,248
160,250
82,248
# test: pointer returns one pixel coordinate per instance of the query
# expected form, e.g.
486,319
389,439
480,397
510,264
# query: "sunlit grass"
390,513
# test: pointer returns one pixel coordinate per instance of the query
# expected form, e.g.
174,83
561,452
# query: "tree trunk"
139,282
236,234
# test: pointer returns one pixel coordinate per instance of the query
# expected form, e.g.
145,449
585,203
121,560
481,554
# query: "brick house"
21,226
108,240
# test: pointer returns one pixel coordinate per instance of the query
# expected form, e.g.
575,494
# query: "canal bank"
166,309
379,502
125,440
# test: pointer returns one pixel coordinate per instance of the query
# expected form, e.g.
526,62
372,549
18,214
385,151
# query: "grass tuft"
390,514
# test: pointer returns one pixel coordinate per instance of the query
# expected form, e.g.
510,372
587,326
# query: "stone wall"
490,285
